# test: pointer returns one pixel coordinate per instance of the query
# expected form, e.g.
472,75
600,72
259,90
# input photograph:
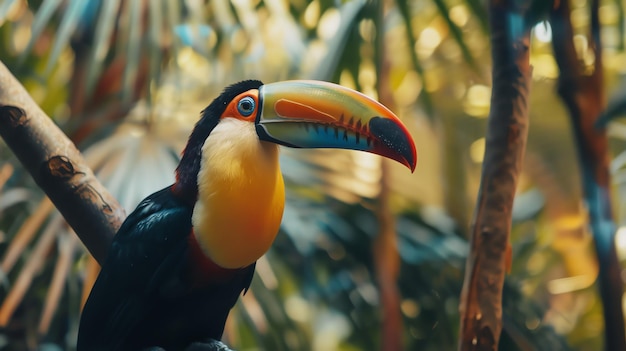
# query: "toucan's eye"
246,106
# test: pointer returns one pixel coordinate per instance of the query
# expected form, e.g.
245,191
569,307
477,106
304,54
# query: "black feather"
189,166
143,296
146,295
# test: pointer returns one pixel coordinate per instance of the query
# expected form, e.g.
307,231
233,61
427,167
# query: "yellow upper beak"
313,114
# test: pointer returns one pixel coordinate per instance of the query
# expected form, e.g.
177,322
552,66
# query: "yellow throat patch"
241,195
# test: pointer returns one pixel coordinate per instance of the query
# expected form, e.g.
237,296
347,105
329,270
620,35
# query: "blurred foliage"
127,79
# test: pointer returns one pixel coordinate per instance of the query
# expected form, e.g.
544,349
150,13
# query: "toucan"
182,258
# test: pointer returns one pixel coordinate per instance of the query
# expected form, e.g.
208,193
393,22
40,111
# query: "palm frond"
5,7
33,264
324,248
133,47
94,25
457,34
67,244
480,12
25,235
68,25
621,24
350,18
102,41
403,8
42,17
155,33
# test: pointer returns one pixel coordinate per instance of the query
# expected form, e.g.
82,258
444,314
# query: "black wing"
117,302
142,270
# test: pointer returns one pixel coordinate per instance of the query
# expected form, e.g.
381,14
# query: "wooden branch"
507,129
385,245
387,268
584,97
57,167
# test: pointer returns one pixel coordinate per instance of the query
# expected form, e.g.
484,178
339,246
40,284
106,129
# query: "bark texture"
582,90
57,167
507,129
385,245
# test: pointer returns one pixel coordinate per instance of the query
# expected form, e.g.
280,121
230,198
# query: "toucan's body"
180,261
149,292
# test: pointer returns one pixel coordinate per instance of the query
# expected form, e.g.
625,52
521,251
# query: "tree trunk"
584,97
385,245
507,129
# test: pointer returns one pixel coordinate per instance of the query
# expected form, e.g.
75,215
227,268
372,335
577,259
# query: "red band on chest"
203,270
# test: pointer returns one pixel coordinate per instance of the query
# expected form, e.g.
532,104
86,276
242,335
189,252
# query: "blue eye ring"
246,106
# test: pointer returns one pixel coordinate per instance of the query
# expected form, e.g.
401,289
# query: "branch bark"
385,245
584,96
57,167
507,129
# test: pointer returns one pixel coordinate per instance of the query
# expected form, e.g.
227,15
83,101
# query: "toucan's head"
303,114
230,150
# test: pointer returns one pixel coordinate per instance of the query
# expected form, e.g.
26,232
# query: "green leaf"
480,12
349,21
4,9
44,13
173,19
132,49
621,23
457,34
156,57
425,97
70,20
102,42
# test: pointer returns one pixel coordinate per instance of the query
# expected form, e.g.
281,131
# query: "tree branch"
507,129
385,245
57,167
584,97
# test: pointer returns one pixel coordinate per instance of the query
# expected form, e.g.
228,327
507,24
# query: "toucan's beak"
312,114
